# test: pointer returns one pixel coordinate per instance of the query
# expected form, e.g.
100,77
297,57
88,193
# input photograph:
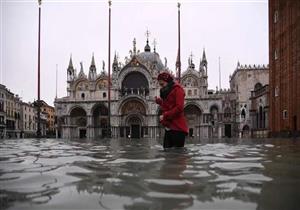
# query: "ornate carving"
133,107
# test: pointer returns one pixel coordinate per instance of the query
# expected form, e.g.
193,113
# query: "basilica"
84,112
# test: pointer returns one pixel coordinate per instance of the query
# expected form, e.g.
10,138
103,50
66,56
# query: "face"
162,83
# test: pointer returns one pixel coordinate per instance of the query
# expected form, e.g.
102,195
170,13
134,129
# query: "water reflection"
125,174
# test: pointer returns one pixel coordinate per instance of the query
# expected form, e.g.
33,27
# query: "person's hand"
158,100
161,117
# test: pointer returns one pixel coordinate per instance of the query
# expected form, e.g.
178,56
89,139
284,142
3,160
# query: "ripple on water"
117,174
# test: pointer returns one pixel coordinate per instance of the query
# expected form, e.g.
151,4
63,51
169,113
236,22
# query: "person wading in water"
171,102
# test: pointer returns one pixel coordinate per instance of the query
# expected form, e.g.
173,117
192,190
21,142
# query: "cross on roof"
191,56
134,46
147,34
154,43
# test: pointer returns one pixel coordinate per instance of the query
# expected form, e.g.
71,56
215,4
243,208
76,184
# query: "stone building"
259,111
28,116
134,113
12,115
284,59
243,81
49,112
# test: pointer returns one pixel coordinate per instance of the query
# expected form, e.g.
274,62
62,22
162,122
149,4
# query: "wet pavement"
138,174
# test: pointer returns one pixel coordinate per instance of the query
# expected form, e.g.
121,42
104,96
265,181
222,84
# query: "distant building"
243,81
28,119
12,111
49,112
284,56
19,119
3,91
259,111
134,113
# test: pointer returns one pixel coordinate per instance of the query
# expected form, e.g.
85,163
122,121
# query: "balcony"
142,92
259,92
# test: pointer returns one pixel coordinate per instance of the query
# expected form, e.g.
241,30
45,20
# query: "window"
285,114
195,92
243,114
275,54
189,92
275,16
257,86
276,91
82,95
104,95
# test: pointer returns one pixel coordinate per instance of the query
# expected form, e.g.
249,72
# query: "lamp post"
38,133
178,62
109,42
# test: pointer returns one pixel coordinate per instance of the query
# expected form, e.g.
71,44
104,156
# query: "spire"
115,58
147,47
204,56
203,63
93,61
191,64
71,74
92,72
154,45
115,63
70,63
81,68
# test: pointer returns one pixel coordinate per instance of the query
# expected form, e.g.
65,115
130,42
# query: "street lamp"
38,132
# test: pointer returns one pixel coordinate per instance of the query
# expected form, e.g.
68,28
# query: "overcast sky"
233,30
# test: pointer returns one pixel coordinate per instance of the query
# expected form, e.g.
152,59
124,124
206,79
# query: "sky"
234,30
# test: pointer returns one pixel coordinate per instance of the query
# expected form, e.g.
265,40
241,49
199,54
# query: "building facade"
134,113
28,115
2,111
49,112
243,81
284,59
12,112
259,112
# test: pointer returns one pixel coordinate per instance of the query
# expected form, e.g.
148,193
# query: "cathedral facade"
83,113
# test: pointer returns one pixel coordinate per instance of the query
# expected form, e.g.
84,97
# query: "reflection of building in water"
84,112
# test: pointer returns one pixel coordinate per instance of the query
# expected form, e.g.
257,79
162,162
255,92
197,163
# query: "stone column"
89,127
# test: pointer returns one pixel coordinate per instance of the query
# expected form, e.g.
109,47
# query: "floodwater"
138,174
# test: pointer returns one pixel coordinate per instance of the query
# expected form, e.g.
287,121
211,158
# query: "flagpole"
179,61
220,73
56,82
38,133
109,42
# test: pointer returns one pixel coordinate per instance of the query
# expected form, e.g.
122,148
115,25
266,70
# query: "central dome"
151,58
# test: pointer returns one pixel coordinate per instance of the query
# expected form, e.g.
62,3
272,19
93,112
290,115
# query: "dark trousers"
174,139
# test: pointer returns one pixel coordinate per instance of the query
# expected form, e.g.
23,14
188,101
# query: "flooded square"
139,174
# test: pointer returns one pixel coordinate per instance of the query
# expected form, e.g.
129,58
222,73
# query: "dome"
151,58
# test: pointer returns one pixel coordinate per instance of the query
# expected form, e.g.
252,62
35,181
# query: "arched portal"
100,120
246,131
133,112
193,116
135,126
78,121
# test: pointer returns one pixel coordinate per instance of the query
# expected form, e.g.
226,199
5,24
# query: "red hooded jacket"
173,109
